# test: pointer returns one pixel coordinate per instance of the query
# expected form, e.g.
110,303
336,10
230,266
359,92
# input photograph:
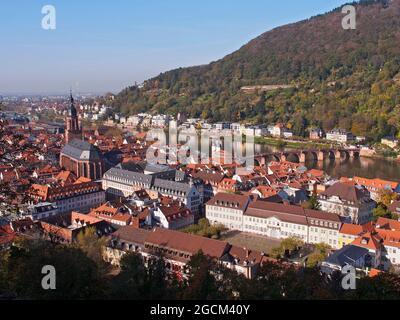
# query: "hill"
309,73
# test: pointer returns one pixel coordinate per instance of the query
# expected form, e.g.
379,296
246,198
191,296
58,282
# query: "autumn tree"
386,197
92,245
320,253
287,246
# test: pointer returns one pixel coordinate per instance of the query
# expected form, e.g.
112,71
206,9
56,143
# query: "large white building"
75,197
173,217
187,193
123,183
339,135
274,220
228,210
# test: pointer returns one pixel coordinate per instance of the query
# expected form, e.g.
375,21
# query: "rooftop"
81,150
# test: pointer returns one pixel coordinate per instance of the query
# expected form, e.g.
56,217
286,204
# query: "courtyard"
250,241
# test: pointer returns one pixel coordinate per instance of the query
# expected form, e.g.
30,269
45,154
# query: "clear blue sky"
101,45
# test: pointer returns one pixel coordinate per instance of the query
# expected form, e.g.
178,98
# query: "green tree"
130,282
201,283
312,203
320,253
385,286
139,282
278,281
287,246
380,212
205,229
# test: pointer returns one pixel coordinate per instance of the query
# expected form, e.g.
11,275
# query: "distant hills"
324,75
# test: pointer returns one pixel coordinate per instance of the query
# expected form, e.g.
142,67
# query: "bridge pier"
353,154
320,154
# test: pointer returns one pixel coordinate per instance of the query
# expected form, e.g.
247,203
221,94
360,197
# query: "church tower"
73,127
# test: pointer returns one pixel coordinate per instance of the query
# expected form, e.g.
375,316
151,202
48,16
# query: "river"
362,167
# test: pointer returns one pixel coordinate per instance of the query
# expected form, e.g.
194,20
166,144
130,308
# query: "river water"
362,167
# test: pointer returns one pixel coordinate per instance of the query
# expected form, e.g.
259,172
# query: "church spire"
73,109
73,127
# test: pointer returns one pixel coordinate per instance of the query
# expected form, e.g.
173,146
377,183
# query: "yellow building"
350,232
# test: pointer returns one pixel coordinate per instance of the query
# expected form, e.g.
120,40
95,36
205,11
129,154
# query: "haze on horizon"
111,45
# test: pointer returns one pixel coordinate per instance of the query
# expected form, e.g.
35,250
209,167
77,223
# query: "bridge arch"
289,156
310,154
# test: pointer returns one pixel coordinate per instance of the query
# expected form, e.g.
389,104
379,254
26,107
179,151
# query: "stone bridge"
302,155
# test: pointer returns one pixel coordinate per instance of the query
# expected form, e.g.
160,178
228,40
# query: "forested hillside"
338,78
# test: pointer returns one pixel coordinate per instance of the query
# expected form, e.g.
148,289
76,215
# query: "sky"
103,46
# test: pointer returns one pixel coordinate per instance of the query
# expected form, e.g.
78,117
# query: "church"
73,125
79,156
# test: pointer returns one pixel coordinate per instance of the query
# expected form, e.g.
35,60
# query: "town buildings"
395,207
123,183
339,135
273,220
280,131
316,134
83,159
172,216
114,215
351,201
228,210
177,248
375,186
352,255
64,228
73,126
187,193
391,142
41,210
80,196
379,241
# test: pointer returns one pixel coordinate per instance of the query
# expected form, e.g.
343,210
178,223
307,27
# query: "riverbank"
290,144
284,143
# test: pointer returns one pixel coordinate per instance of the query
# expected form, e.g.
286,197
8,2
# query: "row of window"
222,209
224,216
324,224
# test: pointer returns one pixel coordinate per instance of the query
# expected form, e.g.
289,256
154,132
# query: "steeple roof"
72,109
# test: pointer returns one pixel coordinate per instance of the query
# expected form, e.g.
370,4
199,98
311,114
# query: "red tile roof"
187,243
368,240
229,200
355,229
384,223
